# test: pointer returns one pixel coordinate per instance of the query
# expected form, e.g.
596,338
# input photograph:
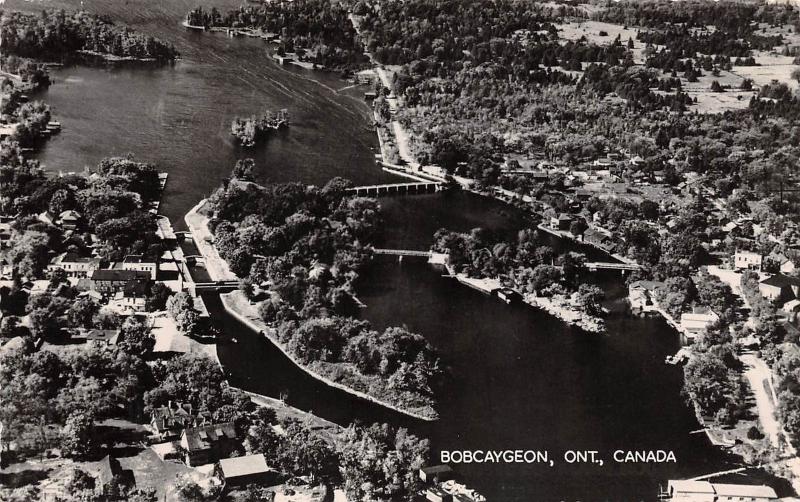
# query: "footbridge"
396,188
214,286
601,265
402,252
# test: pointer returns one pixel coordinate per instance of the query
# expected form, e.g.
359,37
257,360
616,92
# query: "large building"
703,491
111,281
780,287
747,260
138,262
75,265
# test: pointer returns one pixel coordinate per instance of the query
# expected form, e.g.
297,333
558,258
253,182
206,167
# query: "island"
298,251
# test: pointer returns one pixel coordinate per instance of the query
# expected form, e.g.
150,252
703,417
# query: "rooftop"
243,466
201,438
781,281
118,275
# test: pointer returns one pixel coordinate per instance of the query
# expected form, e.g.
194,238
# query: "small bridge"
402,252
396,188
601,265
213,286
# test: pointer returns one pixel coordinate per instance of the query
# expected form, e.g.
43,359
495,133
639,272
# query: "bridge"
402,252
601,265
396,188
214,286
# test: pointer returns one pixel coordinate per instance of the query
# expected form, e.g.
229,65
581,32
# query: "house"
103,336
779,287
74,264
134,294
698,321
208,443
751,493
69,219
597,238
792,306
239,471
169,421
110,281
747,260
138,263
436,494
641,294
561,222
436,473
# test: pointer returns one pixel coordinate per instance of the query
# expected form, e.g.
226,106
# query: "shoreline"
232,304
219,271
562,312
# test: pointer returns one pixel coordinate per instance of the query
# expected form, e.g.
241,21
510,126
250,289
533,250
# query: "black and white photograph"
400,250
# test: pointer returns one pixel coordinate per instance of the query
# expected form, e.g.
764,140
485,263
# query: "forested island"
55,34
318,31
249,131
298,250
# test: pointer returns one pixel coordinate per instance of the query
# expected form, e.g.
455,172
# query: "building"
698,321
137,262
111,281
436,473
103,336
208,443
703,491
747,260
69,219
561,222
641,295
239,471
436,494
597,238
109,472
75,265
779,287
168,422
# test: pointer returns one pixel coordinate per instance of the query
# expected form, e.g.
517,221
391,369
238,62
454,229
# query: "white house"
139,263
747,259
698,321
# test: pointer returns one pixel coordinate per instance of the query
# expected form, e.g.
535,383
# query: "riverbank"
239,307
557,307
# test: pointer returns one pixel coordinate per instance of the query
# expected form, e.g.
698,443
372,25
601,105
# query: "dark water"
519,379
179,116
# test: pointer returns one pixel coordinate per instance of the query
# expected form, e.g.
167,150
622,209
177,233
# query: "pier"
396,188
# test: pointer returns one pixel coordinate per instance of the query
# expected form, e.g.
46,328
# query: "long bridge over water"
401,252
602,265
397,188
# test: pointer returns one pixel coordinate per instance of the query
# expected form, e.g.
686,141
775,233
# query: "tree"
243,169
181,309
590,298
381,463
79,440
137,339
157,297
82,312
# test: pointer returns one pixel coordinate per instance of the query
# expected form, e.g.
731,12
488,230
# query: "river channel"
518,378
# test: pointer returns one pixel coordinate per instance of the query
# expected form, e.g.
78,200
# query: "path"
217,268
759,376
